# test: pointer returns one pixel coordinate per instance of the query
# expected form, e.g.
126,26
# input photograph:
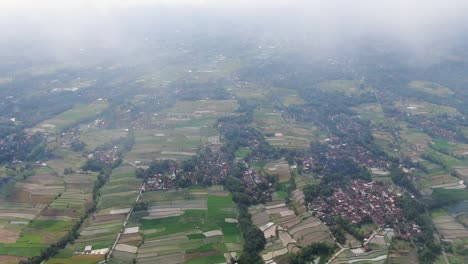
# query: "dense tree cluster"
309,253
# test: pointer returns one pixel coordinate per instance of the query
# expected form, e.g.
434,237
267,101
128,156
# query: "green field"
76,114
208,259
50,225
183,235
444,196
242,153
430,87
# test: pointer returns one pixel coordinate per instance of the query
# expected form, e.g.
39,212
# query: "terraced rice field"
23,231
101,229
449,228
281,168
285,231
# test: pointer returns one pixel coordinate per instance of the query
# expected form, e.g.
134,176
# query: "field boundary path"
109,254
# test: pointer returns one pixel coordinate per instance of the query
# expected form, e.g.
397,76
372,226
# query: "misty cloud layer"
60,27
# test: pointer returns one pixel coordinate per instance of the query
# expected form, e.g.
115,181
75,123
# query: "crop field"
350,87
77,195
95,137
164,144
414,141
304,179
281,168
23,231
65,159
185,226
21,237
445,181
101,229
449,228
285,231
402,252
248,91
430,88
451,223
82,259
375,256
42,187
452,148
371,112
425,108
286,96
205,108
281,132
180,131
242,153
72,116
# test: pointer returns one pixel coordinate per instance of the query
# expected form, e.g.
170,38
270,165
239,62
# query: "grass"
95,138
77,113
231,232
430,87
23,250
195,236
191,219
259,164
50,225
438,213
444,197
207,259
281,195
218,207
207,247
28,245
82,259
243,153
350,87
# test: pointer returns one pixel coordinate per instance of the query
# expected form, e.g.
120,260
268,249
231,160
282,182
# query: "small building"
88,249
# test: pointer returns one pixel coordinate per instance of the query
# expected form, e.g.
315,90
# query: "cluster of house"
107,157
251,178
437,129
427,123
338,150
360,199
161,181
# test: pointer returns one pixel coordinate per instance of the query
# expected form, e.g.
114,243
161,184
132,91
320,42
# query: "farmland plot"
101,229
72,116
282,132
185,226
285,231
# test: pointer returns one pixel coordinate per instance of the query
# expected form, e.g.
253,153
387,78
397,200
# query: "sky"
415,23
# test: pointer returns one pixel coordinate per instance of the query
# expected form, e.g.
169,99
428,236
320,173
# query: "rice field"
349,87
179,131
185,226
430,87
96,137
281,132
285,231
101,229
280,168
74,115
425,108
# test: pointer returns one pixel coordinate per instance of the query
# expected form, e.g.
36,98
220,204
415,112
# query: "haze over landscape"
203,131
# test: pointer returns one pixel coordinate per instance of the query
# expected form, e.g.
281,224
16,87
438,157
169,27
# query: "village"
360,202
